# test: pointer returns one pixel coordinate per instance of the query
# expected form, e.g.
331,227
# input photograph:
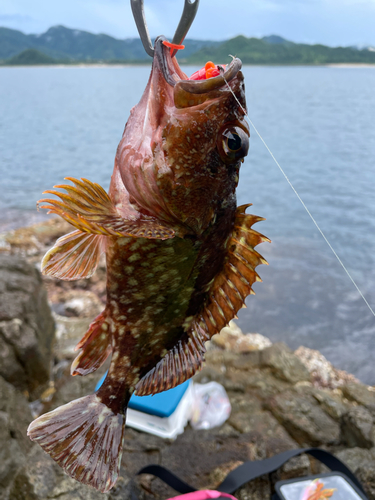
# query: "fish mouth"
177,79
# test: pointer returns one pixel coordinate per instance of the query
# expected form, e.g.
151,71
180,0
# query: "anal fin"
230,288
88,208
178,365
95,347
74,256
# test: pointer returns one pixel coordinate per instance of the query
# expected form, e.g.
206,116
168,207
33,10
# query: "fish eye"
233,143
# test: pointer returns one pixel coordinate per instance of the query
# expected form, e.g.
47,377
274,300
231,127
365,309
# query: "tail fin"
85,438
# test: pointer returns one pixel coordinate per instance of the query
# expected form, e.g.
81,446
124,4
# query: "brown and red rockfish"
180,257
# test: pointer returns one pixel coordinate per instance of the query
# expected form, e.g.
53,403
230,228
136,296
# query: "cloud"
332,22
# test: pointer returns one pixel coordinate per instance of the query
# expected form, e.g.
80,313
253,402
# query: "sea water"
320,124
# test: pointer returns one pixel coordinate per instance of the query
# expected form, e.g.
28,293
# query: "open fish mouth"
177,79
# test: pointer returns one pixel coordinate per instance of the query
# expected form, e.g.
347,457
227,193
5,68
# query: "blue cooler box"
165,414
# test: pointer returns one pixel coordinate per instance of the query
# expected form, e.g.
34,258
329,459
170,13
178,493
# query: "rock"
14,445
248,416
11,455
73,312
223,359
76,304
331,403
304,419
361,394
260,381
362,463
18,415
231,338
259,489
69,332
36,479
365,474
40,478
357,428
323,373
10,368
355,457
295,467
26,325
261,422
34,240
284,364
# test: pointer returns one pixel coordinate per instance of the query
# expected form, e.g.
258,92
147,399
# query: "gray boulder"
284,364
26,325
14,445
304,419
357,428
361,394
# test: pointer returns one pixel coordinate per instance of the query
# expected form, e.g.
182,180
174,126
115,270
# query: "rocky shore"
280,399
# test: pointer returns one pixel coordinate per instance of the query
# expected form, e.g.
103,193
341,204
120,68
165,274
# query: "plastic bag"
211,406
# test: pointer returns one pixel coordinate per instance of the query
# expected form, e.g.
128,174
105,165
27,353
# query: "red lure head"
183,144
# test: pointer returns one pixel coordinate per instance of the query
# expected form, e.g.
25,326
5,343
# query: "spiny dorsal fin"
178,365
95,347
230,288
88,208
74,256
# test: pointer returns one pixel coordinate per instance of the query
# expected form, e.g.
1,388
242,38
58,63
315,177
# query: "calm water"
320,125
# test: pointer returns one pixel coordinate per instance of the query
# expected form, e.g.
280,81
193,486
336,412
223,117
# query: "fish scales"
180,257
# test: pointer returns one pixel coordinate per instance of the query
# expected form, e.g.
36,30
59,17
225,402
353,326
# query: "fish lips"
192,92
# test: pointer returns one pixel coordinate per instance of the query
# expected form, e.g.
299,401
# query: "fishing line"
298,196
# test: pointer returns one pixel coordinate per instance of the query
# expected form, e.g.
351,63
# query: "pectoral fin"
88,208
74,256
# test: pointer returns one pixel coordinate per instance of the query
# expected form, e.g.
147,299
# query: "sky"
330,22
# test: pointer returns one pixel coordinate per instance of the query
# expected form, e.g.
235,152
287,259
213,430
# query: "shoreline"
131,64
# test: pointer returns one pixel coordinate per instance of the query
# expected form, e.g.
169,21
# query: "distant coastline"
182,64
64,46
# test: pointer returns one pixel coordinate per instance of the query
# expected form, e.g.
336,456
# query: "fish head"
183,144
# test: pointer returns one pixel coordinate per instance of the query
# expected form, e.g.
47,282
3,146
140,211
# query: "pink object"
202,495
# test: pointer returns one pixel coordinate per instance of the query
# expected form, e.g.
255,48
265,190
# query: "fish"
180,256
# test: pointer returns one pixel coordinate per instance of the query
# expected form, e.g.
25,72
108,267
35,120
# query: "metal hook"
188,15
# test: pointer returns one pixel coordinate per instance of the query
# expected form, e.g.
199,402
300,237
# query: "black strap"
168,477
251,470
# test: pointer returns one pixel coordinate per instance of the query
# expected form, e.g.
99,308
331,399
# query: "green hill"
61,44
261,51
30,57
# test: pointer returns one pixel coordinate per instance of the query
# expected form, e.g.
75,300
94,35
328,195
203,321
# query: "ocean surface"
319,122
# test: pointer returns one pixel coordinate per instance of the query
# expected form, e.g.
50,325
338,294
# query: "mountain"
64,43
31,57
277,40
276,50
69,45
